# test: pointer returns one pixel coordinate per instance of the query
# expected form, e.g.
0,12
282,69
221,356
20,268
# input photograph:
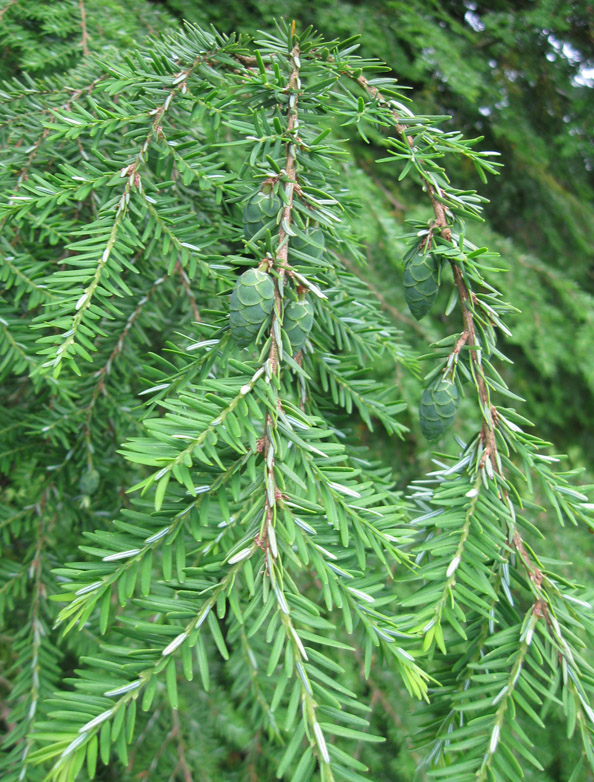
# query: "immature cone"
297,323
438,408
421,284
89,482
313,245
252,300
260,210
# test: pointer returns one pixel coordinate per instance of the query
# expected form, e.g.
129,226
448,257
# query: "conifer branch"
267,536
282,253
161,660
42,290
488,470
37,632
31,644
281,263
75,96
133,181
505,697
85,598
488,412
102,374
15,344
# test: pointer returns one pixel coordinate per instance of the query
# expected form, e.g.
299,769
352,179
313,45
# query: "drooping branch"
281,263
133,181
105,370
543,588
267,536
282,254
36,630
465,295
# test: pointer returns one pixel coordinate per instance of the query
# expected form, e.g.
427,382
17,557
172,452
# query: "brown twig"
7,6
398,205
254,753
181,747
247,60
188,289
282,255
462,340
83,24
142,735
281,263
378,696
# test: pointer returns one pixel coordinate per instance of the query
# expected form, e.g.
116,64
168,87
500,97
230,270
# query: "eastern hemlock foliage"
207,565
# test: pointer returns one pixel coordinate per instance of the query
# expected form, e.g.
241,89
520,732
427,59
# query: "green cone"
421,284
89,482
438,408
297,323
313,246
260,211
252,300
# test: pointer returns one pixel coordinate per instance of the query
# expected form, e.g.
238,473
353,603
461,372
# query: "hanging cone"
89,482
438,408
260,211
297,323
421,284
252,301
313,245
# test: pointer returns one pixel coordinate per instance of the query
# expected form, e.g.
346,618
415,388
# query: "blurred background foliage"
520,75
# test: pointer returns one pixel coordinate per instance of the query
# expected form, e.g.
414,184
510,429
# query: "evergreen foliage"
512,72
206,569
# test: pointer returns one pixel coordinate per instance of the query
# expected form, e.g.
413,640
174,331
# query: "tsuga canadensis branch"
282,253
488,412
76,95
542,587
133,182
103,373
37,631
267,536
